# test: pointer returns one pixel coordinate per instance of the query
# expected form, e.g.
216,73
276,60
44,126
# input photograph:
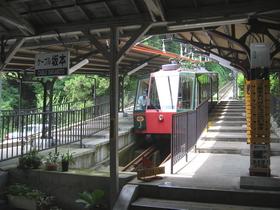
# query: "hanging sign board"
52,64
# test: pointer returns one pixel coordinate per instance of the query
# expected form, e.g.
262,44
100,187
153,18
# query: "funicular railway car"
168,91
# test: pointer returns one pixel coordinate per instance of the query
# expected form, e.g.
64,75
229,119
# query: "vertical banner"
258,111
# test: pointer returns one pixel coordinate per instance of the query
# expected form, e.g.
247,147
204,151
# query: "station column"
258,110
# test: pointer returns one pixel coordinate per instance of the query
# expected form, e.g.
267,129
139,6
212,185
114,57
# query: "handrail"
45,130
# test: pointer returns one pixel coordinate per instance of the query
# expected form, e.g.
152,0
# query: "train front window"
185,96
142,94
154,100
164,92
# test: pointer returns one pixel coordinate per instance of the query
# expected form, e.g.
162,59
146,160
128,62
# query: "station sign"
52,64
258,111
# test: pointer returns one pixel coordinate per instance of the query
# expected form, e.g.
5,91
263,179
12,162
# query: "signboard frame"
52,64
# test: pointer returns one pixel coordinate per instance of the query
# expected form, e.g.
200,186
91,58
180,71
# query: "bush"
30,160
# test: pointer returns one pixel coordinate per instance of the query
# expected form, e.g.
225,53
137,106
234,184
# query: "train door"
140,104
186,92
141,95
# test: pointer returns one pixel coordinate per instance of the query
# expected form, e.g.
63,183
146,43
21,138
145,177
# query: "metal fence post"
187,137
172,142
22,126
81,128
55,132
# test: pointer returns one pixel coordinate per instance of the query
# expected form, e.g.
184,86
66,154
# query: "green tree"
274,84
241,84
224,73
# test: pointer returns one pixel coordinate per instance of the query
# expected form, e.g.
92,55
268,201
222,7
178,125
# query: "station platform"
216,171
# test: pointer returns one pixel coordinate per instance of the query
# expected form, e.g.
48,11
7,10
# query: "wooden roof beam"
11,17
57,12
12,51
155,9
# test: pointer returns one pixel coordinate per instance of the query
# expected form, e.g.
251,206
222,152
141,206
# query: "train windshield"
142,95
164,92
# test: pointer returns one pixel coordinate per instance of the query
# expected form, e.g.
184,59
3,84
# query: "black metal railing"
24,132
55,107
186,129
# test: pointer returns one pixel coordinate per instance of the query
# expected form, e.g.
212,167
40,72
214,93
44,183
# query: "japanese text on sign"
51,61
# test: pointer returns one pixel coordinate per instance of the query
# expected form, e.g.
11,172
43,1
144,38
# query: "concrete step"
232,136
214,196
152,203
222,128
227,114
219,147
229,107
228,118
260,183
227,123
233,128
228,110
233,102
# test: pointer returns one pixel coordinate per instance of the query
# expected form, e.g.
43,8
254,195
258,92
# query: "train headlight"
160,118
140,118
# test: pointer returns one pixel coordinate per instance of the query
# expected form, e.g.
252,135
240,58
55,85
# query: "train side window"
214,80
203,88
185,94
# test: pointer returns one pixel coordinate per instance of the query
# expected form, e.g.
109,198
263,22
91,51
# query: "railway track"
224,90
136,162
132,165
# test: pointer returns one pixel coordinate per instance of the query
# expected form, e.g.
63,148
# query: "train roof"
172,69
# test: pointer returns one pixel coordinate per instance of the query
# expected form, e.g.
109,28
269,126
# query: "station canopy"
221,28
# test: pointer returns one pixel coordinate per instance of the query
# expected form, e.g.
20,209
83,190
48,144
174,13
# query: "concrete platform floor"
211,171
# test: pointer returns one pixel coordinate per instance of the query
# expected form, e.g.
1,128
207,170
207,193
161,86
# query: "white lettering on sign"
58,60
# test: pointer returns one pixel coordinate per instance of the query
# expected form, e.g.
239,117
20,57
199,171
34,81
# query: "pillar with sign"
257,98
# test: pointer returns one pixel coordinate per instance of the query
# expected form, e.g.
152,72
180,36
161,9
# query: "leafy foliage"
67,157
274,84
52,157
75,88
9,94
30,160
25,191
224,73
91,200
241,84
